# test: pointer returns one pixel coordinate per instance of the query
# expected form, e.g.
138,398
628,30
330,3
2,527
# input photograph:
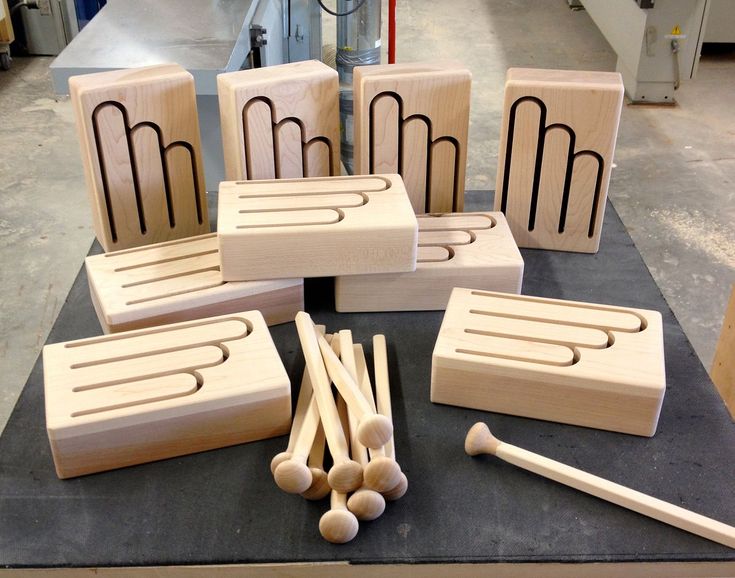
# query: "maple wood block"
280,121
467,249
580,363
139,135
557,140
317,227
179,281
156,393
413,119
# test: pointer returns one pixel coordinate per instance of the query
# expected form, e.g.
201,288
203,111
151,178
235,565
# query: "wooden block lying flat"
467,249
317,227
139,134
723,365
179,281
280,121
413,119
155,393
556,150
580,363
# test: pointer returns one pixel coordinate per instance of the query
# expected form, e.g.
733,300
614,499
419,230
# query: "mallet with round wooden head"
345,475
319,487
480,441
338,525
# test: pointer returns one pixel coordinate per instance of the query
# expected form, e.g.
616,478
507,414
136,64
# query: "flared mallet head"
292,476
278,459
345,476
374,430
319,487
366,504
338,526
382,474
399,491
479,440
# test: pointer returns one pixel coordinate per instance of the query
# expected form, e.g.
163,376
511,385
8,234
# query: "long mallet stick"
480,441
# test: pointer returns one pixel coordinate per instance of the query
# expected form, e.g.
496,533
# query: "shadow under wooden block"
557,140
139,135
723,365
180,281
150,394
580,363
466,249
280,121
413,119
319,227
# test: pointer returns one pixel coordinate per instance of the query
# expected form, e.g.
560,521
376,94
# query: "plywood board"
413,119
557,142
155,393
280,121
179,281
581,363
465,249
141,152
318,227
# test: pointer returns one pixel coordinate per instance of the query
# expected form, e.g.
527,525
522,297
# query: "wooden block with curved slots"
592,365
318,227
280,121
150,394
179,281
557,142
413,119
467,249
139,134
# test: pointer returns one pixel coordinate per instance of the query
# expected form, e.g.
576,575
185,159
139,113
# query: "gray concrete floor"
673,185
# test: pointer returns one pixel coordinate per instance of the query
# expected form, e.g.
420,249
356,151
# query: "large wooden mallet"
480,441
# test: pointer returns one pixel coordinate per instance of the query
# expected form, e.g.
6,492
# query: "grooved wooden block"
150,394
580,363
179,281
556,150
317,227
139,135
280,121
468,249
413,119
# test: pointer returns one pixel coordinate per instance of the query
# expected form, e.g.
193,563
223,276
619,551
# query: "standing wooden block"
317,227
723,365
280,121
413,119
556,151
179,281
150,394
139,134
581,363
467,249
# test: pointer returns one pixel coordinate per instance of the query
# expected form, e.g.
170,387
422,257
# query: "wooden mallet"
480,441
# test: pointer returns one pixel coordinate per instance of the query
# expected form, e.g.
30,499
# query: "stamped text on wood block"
580,363
139,135
467,249
155,393
280,121
317,227
413,119
556,150
178,281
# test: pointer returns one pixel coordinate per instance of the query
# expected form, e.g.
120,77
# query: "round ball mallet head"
345,476
293,476
382,474
479,440
319,487
278,459
399,491
366,504
338,526
374,430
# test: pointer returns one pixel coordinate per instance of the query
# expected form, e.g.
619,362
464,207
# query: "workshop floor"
674,185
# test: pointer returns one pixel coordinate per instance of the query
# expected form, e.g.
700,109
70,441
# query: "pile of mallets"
357,427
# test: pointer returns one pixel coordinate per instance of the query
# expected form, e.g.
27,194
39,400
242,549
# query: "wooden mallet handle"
480,441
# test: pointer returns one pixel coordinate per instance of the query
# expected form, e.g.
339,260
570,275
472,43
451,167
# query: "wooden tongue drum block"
318,227
413,119
280,121
180,281
156,393
556,150
579,363
139,135
467,249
